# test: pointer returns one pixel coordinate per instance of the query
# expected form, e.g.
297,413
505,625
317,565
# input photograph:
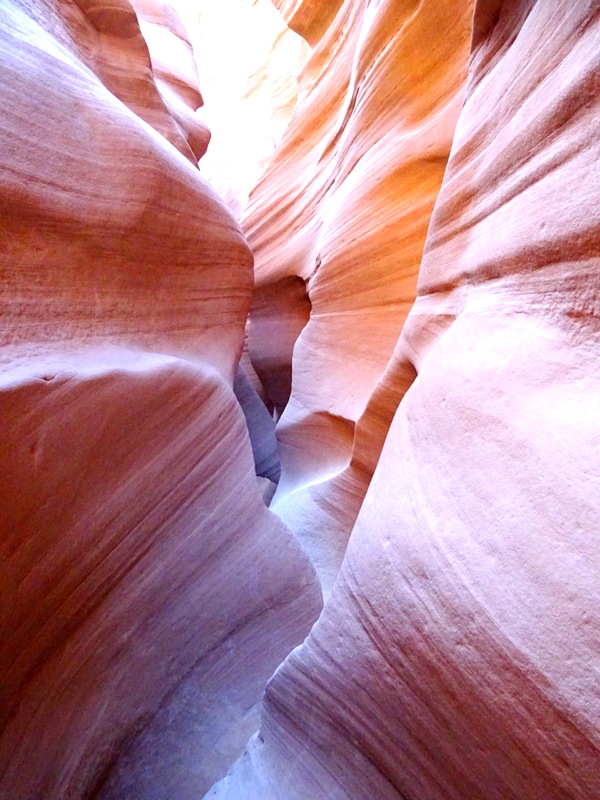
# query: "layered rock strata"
128,500
174,70
337,225
457,655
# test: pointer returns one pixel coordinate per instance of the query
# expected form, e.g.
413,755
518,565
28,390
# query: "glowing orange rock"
344,207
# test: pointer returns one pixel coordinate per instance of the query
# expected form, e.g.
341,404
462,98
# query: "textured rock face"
174,70
146,594
310,18
457,655
344,209
111,45
128,500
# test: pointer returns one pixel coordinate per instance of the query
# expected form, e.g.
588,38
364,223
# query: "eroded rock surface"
457,655
146,593
249,61
139,565
174,69
344,208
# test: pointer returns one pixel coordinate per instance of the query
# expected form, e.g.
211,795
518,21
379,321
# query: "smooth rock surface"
457,656
141,576
343,209
260,427
175,72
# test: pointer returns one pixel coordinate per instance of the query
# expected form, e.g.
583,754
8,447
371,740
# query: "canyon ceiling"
300,464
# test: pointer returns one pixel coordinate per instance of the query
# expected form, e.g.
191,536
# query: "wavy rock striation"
174,70
337,224
146,593
457,655
128,501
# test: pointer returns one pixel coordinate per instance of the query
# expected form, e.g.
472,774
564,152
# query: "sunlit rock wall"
174,70
139,567
249,62
458,654
337,225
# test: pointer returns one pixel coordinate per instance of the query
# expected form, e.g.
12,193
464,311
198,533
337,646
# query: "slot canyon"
300,400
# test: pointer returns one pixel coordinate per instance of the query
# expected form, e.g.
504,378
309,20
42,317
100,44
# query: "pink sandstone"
457,654
440,454
343,210
128,499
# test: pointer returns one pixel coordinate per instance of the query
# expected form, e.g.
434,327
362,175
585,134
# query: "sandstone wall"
457,654
337,225
146,593
128,500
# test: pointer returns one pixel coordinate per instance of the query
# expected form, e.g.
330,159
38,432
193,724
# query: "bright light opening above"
248,65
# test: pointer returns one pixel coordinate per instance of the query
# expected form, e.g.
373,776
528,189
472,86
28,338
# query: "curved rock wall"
174,70
249,61
128,500
344,207
146,593
457,655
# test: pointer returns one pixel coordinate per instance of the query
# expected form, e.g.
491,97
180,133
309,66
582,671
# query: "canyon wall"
128,501
337,225
249,61
437,433
457,656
